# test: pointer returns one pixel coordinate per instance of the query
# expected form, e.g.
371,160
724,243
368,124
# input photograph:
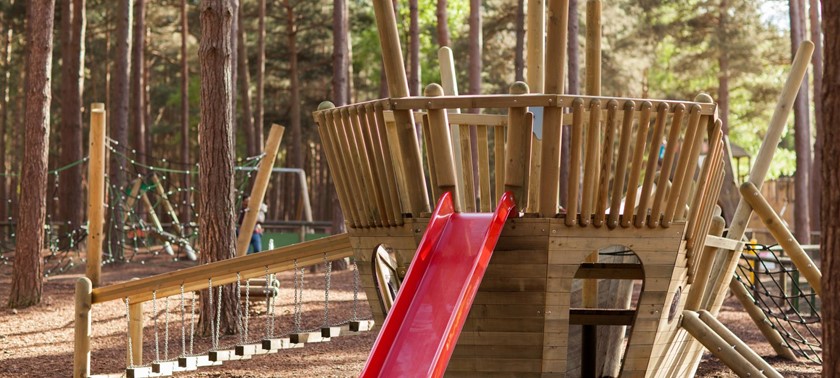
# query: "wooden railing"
159,287
634,162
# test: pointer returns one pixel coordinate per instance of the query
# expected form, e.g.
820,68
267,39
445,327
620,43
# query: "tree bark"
519,59
27,271
138,96
119,125
216,203
71,211
244,84
295,148
259,107
830,228
414,49
817,68
443,23
4,116
186,215
802,135
340,90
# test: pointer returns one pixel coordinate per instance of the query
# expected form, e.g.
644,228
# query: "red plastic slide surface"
422,327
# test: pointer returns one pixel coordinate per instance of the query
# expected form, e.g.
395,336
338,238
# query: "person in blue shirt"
256,238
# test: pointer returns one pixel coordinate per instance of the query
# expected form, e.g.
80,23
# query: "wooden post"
636,166
621,164
386,22
558,28
650,169
574,163
81,336
740,346
665,173
132,197
449,82
518,155
603,186
535,77
704,267
593,47
135,334
441,144
718,346
783,236
96,193
246,229
590,165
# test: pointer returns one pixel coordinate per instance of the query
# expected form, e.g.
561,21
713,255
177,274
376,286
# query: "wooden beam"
783,235
249,221
518,154
96,194
718,346
251,266
134,356
441,144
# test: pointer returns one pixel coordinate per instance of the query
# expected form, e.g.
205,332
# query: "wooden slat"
342,187
346,157
430,158
667,163
357,145
374,162
381,174
499,162
606,165
518,150
485,200
593,140
704,184
653,159
610,271
621,164
469,181
689,181
636,168
390,175
682,166
601,316
574,163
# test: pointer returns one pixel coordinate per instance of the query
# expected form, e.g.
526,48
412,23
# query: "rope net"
786,299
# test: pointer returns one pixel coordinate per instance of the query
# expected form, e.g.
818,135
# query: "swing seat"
165,368
204,360
251,350
330,332
276,344
140,372
226,355
307,337
361,325
188,363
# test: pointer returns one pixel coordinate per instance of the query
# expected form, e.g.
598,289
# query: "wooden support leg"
135,333
81,346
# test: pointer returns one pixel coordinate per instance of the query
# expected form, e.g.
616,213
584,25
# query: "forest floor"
38,341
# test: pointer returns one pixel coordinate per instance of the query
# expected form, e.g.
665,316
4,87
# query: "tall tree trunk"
138,97
573,52
802,135
246,122
119,125
216,203
296,147
519,58
234,52
830,227
71,212
186,215
729,195
442,23
414,49
27,273
147,98
259,107
5,192
476,44
340,90
816,165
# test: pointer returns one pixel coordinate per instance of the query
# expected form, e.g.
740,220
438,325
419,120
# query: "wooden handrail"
223,272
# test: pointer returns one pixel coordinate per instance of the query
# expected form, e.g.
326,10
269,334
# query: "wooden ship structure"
640,206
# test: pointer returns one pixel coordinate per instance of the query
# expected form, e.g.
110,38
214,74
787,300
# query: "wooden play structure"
543,287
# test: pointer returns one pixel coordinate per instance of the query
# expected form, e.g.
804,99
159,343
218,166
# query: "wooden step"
601,316
610,271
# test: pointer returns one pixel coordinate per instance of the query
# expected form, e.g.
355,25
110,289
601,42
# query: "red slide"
422,327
